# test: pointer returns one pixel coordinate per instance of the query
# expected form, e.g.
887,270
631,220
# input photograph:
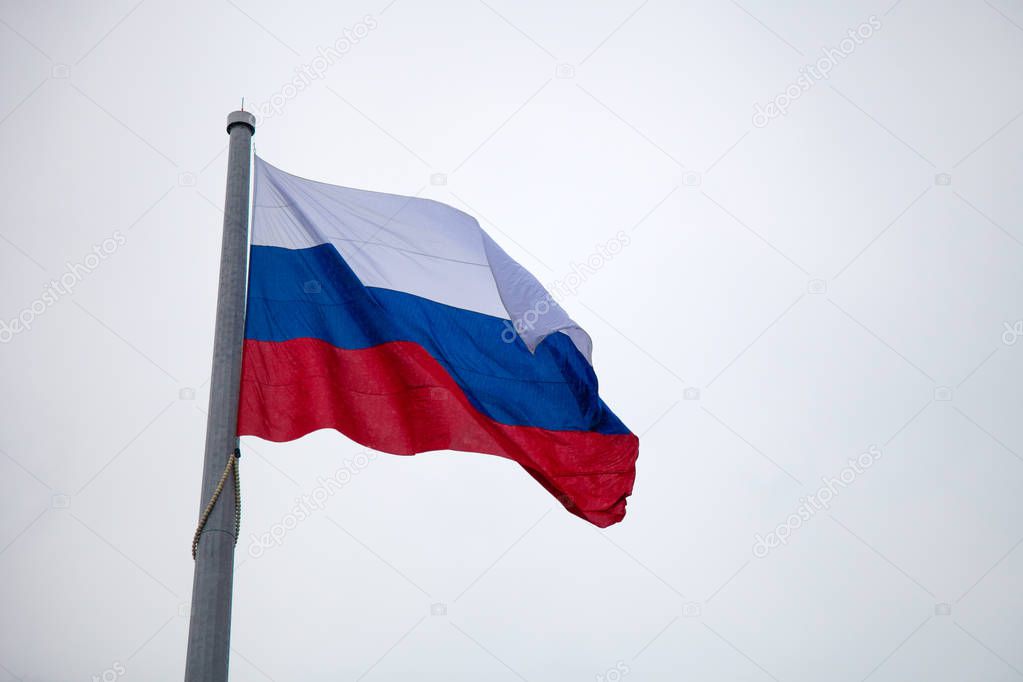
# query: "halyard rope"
232,463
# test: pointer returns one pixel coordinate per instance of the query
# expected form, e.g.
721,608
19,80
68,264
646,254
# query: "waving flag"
400,323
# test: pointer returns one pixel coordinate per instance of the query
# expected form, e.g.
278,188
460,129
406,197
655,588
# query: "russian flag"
400,323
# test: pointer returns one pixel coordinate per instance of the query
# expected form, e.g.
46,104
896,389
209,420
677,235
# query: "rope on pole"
232,465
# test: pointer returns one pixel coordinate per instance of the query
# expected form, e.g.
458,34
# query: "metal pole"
209,629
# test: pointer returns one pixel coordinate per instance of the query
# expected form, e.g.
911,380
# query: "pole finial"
243,104
241,117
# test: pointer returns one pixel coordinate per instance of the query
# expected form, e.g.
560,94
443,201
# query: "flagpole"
209,630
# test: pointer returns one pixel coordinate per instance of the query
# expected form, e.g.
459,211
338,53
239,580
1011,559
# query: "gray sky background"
796,290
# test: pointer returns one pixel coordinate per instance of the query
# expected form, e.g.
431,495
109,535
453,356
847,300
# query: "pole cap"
242,118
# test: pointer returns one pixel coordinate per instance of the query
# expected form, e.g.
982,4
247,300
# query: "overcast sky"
825,241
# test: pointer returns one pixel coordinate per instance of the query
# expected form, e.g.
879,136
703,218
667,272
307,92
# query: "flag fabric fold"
400,323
